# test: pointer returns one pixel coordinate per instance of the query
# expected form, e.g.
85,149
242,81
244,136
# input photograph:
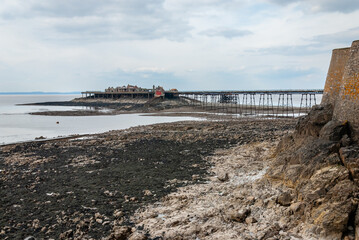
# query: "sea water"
16,124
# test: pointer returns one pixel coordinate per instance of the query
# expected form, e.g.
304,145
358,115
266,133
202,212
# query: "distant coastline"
38,93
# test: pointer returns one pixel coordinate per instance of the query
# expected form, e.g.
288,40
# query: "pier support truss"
252,103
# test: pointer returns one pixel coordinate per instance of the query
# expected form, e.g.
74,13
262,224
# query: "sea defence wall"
346,107
342,86
335,75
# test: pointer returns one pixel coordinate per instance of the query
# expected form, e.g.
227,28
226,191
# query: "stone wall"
346,107
335,75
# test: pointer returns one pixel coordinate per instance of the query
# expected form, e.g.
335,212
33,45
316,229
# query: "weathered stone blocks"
335,75
347,103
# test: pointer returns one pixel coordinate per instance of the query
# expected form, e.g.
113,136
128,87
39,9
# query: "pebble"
30,238
223,176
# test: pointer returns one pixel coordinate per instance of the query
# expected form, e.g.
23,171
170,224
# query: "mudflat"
85,188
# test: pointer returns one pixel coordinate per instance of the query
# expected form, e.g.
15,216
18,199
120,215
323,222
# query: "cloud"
316,44
343,6
226,33
291,50
141,77
106,20
288,78
78,8
94,29
341,38
287,73
176,43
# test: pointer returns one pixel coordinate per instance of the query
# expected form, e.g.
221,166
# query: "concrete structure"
347,104
335,75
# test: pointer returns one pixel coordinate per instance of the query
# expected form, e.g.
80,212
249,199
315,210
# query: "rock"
239,215
283,222
285,143
356,223
335,208
193,230
117,213
99,220
311,124
147,193
271,232
137,235
298,163
223,176
120,233
345,141
332,217
66,235
350,159
195,177
284,199
310,161
36,223
334,130
83,226
250,220
297,207
250,200
98,215
30,238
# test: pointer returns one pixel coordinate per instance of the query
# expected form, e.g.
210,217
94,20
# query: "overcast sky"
76,45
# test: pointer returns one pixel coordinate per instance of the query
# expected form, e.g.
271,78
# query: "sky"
79,45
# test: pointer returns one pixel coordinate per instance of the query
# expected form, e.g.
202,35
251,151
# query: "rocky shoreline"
232,179
98,187
93,107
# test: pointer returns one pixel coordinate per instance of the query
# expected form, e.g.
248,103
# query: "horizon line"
38,92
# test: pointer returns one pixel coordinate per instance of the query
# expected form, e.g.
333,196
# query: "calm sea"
17,125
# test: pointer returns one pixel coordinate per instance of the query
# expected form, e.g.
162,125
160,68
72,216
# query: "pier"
270,103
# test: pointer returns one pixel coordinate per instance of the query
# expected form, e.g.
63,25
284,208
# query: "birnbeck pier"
278,103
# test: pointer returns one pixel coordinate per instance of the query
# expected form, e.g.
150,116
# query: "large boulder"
334,130
311,124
